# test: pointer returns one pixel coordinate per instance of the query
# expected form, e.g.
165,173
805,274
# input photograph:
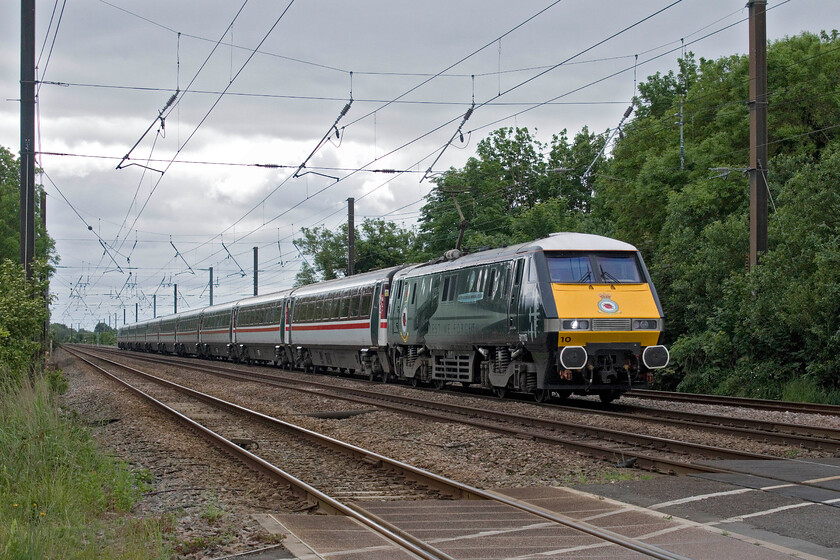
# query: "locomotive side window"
471,281
517,278
490,288
449,288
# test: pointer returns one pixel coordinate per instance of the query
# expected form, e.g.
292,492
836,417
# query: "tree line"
771,332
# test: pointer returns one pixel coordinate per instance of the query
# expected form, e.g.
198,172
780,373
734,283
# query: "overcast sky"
190,196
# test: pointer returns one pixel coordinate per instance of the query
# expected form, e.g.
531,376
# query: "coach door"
375,314
515,287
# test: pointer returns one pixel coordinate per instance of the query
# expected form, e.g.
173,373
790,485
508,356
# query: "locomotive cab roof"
561,241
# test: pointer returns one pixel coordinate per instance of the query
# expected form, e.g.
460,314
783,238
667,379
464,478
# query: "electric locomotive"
571,313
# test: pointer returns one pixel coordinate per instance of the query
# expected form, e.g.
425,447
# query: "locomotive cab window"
594,268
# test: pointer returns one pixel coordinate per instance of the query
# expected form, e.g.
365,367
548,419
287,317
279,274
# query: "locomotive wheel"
414,381
606,396
542,395
438,384
500,392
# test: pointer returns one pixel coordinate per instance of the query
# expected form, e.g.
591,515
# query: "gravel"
212,496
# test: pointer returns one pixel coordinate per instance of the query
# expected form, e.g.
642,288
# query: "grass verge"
60,495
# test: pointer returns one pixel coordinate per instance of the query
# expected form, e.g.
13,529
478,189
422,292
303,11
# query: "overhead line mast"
27,135
758,130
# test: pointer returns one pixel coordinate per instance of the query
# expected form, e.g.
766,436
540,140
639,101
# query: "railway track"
766,431
764,404
619,447
224,423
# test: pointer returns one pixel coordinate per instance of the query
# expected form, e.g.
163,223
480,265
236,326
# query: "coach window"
354,304
365,304
345,305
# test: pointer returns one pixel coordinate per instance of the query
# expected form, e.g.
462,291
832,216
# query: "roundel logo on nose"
607,305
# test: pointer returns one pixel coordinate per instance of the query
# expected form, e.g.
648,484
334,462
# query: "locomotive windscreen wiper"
607,276
585,277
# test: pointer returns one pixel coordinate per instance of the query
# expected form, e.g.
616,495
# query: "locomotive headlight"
576,325
645,324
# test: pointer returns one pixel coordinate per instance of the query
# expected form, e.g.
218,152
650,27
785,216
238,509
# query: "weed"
213,511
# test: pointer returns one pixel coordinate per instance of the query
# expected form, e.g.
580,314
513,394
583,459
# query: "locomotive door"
515,287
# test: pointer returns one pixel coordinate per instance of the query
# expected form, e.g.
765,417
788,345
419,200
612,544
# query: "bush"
23,313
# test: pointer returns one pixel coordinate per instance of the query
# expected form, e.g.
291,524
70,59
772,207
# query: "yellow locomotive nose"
599,313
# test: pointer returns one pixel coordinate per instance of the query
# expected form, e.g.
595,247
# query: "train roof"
348,282
561,241
568,241
258,300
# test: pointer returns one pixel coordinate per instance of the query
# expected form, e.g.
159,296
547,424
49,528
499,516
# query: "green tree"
567,165
379,244
306,275
10,214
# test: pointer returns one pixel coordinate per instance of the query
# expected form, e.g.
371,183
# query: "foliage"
23,313
378,244
10,214
515,190
56,486
102,334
